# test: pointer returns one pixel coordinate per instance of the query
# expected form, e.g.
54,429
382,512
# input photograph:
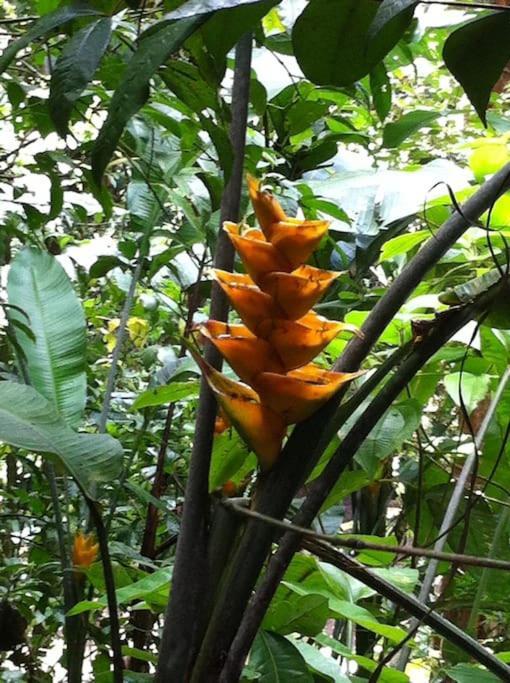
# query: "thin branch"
357,544
455,501
412,606
121,334
109,580
190,572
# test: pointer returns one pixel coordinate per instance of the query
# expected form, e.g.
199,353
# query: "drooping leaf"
74,69
380,87
30,421
194,8
396,132
470,388
154,48
468,673
290,612
56,360
326,666
44,26
478,70
388,11
277,660
332,44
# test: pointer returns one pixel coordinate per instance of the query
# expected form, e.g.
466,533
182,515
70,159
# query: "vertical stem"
190,572
453,506
72,625
102,537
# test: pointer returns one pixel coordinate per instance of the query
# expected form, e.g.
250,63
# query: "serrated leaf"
43,26
56,360
74,68
155,46
29,421
478,70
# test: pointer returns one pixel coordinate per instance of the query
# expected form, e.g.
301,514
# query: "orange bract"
246,354
261,428
266,207
85,550
258,256
295,293
272,351
300,393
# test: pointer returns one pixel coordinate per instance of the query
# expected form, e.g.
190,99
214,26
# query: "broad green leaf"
29,421
331,41
138,590
472,388
362,617
388,11
396,426
74,68
396,132
402,244
488,158
56,360
155,46
160,396
290,612
387,675
468,673
318,662
44,26
478,70
277,660
230,460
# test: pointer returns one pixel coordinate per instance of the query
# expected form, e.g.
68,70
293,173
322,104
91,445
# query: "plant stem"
121,334
73,625
109,579
190,572
358,544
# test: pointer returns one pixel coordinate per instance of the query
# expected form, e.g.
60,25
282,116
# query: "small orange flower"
229,489
85,550
222,423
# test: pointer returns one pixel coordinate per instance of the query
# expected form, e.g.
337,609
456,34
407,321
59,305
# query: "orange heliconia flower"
85,550
272,350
